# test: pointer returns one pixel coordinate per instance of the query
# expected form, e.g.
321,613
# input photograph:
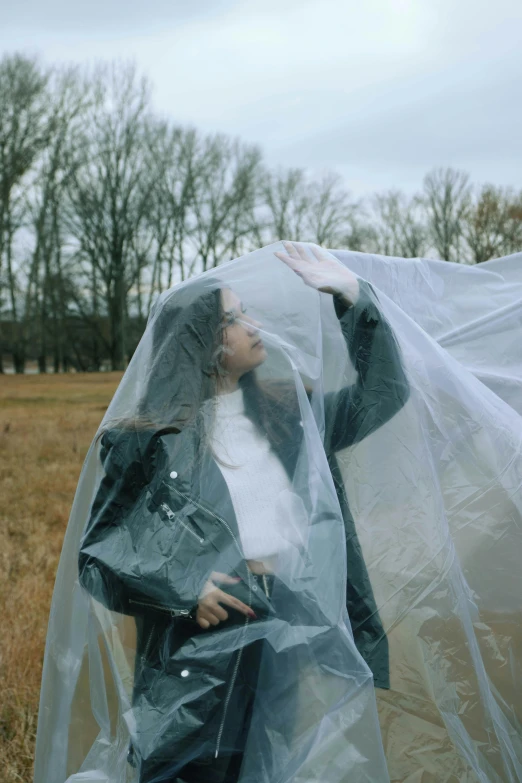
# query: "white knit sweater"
270,516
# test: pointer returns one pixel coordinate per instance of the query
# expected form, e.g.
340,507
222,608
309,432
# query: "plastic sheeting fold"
387,642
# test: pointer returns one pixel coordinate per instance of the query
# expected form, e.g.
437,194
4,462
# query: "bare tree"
223,200
109,195
398,227
287,201
23,135
446,199
45,295
493,225
103,206
305,209
174,153
329,210
513,236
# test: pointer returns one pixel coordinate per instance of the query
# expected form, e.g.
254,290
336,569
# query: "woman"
202,515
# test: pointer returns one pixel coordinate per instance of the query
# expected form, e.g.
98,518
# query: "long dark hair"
185,368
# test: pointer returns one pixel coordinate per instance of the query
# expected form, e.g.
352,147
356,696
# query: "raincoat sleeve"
124,559
381,388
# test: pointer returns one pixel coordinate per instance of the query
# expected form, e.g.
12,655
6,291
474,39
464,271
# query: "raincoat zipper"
229,692
207,511
171,515
147,646
240,651
169,610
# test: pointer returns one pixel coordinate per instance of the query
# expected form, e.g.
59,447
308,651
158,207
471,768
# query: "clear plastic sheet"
387,643
474,312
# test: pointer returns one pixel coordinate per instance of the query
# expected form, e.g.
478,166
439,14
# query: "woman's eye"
234,318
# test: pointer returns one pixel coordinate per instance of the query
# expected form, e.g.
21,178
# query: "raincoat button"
185,673
254,587
173,474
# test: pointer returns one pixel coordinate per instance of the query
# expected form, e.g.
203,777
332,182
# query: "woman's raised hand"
322,271
210,612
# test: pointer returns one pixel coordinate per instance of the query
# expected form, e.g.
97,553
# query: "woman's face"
244,350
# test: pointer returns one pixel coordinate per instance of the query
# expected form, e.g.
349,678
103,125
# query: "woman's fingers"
294,263
300,252
319,253
210,610
209,605
217,597
210,614
297,255
235,603
297,258
303,255
297,251
208,617
293,250
218,611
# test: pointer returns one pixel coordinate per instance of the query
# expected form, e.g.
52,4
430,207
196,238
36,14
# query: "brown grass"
46,426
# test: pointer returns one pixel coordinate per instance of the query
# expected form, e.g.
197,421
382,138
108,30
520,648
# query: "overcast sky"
380,90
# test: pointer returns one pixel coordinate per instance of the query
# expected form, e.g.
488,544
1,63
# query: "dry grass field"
46,426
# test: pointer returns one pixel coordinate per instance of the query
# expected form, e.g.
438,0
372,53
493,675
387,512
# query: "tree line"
104,204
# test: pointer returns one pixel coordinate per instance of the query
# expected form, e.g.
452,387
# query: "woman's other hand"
210,611
322,271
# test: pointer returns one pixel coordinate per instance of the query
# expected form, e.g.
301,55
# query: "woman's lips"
258,344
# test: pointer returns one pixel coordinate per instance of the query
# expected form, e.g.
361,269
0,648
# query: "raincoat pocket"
173,705
183,521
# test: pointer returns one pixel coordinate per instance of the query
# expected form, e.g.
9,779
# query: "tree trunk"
42,358
118,321
96,358
18,337
19,360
